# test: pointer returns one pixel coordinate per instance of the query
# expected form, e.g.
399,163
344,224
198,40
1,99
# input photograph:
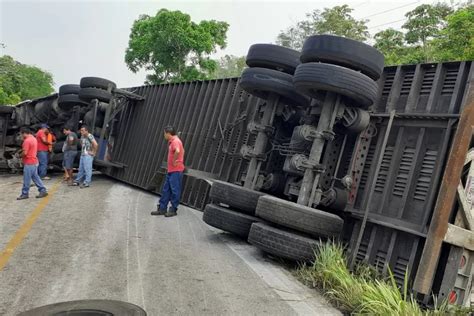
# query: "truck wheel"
88,307
273,57
311,78
88,94
262,82
95,82
228,220
69,89
239,198
89,118
344,52
283,243
298,217
68,101
58,147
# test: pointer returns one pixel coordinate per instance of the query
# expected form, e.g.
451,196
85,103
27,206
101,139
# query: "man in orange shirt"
172,188
30,165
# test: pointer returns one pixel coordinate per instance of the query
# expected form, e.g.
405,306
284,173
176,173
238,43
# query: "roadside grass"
362,292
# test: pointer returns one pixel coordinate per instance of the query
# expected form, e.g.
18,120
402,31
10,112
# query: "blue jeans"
85,169
30,172
171,191
43,163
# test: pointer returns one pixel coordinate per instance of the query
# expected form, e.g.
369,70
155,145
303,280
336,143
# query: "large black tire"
273,57
344,52
237,197
283,243
262,82
298,217
69,89
89,307
88,94
312,78
228,220
43,110
68,101
58,147
95,82
89,118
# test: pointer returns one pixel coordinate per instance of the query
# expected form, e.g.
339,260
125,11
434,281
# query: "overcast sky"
73,39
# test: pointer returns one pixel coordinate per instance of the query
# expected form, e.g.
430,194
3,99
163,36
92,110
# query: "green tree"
424,23
456,40
393,46
336,21
173,47
22,82
229,66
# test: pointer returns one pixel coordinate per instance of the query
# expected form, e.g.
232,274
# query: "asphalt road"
101,243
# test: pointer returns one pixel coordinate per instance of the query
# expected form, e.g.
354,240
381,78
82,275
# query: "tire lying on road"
298,217
68,101
312,78
283,243
95,82
273,57
239,198
344,52
262,82
228,220
69,89
88,94
88,307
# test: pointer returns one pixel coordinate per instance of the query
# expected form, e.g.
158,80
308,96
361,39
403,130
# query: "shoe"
158,212
84,185
22,197
46,178
171,214
42,195
75,184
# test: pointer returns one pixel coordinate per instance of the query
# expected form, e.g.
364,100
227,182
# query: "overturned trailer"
400,178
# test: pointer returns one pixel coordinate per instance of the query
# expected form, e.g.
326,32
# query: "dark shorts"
68,160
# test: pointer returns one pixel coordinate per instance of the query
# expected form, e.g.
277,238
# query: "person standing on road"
88,150
171,191
30,165
43,151
69,152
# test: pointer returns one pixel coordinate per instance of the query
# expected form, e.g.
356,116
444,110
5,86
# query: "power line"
372,27
389,10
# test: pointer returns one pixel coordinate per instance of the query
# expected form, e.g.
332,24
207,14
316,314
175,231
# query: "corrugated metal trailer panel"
427,100
211,117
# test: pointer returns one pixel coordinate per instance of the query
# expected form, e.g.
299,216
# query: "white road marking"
140,271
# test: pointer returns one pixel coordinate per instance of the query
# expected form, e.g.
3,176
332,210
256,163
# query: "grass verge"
362,292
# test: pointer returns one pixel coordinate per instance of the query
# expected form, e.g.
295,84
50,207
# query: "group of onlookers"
36,150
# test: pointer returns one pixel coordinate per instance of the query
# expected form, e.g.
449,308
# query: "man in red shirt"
43,150
172,188
30,165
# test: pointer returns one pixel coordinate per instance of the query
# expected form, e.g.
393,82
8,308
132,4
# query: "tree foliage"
425,22
434,33
456,40
173,47
336,21
229,66
22,82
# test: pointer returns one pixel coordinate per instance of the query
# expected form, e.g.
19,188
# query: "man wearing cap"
43,151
